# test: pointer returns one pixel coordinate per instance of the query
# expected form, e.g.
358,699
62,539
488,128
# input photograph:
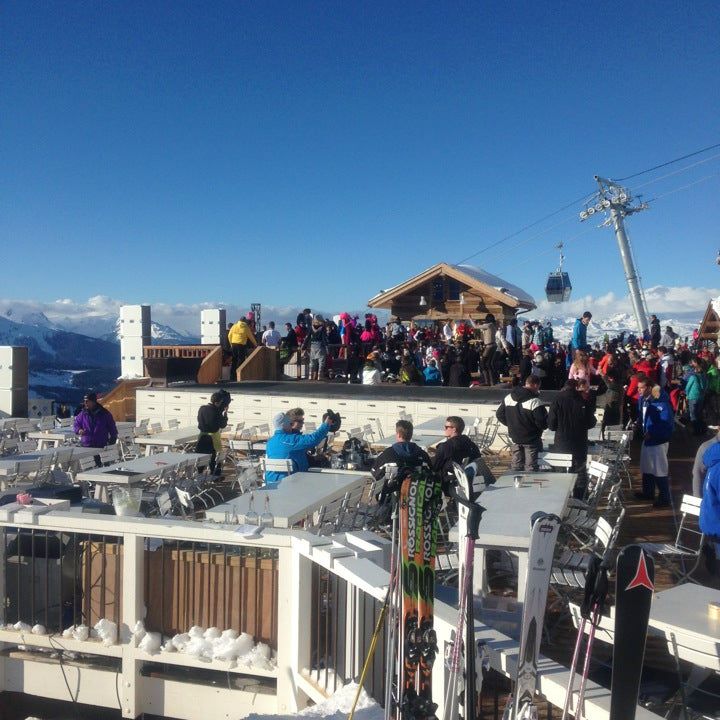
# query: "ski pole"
573,669
580,709
474,513
371,652
381,617
394,599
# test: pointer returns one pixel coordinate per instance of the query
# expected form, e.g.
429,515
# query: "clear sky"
317,152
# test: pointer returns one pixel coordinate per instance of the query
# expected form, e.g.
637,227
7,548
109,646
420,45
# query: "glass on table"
251,517
266,519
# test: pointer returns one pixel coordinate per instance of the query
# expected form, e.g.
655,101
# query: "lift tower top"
619,203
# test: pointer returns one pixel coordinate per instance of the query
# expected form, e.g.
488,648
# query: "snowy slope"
52,348
613,325
161,335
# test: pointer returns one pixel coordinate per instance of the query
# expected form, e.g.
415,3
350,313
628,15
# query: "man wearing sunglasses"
455,448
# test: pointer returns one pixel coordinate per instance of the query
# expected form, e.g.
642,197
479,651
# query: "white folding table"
436,426
137,470
505,525
55,437
297,496
594,436
681,614
177,437
10,464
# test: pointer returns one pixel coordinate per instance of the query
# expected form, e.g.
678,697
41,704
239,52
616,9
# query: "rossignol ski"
419,498
633,596
462,686
545,528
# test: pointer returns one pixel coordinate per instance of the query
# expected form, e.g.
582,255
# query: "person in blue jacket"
710,505
286,444
656,419
579,337
432,374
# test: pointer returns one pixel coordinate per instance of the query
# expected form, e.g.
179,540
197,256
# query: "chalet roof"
475,278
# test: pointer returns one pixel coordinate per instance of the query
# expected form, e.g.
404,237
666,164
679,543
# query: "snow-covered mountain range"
105,327
76,345
613,325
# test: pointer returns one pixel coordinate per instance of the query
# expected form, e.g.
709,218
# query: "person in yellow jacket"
241,337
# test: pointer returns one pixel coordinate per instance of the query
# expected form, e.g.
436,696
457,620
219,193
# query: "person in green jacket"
695,389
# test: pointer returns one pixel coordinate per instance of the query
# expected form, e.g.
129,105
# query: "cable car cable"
527,227
669,162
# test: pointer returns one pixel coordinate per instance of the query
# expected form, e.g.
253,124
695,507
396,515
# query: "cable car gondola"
558,287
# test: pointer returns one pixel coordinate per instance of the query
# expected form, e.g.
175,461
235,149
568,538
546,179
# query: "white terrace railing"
309,604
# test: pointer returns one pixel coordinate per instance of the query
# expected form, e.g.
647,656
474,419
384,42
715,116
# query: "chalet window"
453,289
438,290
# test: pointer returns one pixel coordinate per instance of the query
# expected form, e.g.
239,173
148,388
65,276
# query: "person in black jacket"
525,417
572,414
458,374
457,447
212,418
402,451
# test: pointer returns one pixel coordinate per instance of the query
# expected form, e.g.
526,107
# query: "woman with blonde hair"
581,368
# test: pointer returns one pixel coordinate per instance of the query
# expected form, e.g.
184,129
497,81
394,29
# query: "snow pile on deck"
336,707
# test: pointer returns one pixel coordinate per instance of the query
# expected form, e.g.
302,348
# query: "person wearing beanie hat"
285,444
211,419
95,425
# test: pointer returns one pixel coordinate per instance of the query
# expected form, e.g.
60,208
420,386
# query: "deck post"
133,609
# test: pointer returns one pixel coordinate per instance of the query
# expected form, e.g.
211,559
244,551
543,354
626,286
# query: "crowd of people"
467,353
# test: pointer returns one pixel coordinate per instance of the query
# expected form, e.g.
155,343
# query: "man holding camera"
212,418
289,443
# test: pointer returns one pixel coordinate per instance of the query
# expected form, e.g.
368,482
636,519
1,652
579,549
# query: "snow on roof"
496,282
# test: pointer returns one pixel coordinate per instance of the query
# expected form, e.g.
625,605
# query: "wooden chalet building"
456,292
710,325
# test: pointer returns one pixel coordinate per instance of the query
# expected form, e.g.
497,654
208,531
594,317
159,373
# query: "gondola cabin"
558,287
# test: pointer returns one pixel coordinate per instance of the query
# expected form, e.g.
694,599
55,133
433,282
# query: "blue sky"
316,152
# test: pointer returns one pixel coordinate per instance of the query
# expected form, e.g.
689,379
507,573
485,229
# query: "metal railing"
58,580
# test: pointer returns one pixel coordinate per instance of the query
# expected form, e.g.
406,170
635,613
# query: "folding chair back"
689,536
556,461
173,423
282,466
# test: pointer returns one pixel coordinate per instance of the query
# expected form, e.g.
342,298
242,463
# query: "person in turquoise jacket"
696,387
288,445
579,337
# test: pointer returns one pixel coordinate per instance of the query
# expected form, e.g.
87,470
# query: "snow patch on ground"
337,707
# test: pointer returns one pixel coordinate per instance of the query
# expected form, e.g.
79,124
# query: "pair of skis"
420,497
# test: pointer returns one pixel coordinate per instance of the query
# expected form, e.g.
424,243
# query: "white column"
133,609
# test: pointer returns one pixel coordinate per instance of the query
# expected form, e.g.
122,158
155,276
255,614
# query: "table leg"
480,583
522,575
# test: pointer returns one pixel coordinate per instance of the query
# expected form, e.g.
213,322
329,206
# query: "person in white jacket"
371,374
